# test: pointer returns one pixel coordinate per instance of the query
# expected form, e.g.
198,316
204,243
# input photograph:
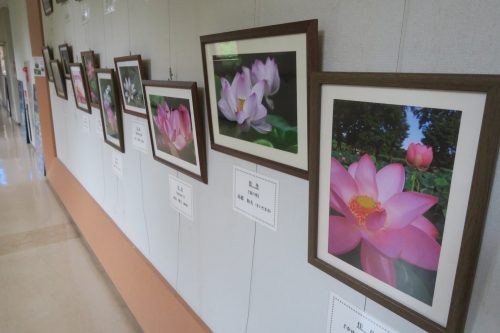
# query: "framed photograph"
130,74
79,90
66,54
111,112
257,93
47,57
59,81
176,126
401,174
47,7
90,64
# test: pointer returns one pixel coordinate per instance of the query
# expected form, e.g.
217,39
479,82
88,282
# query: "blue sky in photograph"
414,133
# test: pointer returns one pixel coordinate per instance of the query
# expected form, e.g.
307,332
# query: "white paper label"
256,197
85,123
38,66
139,136
181,196
117,163
346,318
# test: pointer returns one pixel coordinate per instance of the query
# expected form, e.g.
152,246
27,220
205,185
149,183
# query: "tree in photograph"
371,127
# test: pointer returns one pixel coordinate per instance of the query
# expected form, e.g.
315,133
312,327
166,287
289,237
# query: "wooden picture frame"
80,91
59,80
130,74
47,57
90,63
271,66
48,8
177,134
111,112
368,221
66,55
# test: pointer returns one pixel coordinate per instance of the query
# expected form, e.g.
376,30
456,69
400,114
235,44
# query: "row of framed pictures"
400,165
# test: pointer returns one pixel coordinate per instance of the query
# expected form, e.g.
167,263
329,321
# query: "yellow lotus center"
240,103
361,206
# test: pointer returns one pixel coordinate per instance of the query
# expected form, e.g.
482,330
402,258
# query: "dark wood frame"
119,116
484,170
48,69
79,65
64,93
137,58
310,28
64,61
95,60
197,125
48,11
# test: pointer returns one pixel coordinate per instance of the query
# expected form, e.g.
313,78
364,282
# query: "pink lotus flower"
174,127
419,156
268,73
107,105
80,95
388,222
242,102
89,65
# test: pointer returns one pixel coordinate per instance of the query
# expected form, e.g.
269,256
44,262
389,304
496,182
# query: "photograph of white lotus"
130,75
257,93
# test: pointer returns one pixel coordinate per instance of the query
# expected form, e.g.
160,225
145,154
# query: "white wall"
239,276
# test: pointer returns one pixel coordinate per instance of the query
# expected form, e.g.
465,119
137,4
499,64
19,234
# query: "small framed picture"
257,93
111,112
59,80
399,163
47,7
47,57
66,54
79,89
90,64
130,74
176,126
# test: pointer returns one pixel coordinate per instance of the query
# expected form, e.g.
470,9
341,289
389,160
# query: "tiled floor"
49,281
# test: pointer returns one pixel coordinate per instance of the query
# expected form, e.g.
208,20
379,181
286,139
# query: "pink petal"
419,249
390,181
352,169
365,177
258,90
405,207
337,204
426,226
185,122
261,113
375,221
388,242
242,84
343,235
341,182
261,126
377,265
249,109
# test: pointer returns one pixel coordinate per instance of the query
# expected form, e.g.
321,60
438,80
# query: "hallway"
50,282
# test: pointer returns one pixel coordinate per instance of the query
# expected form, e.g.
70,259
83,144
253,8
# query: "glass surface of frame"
257,93
66,54
47,57
79,89
130,73
59,80
90,64
176,126
111,113
393,164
